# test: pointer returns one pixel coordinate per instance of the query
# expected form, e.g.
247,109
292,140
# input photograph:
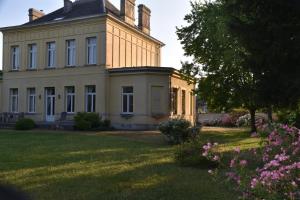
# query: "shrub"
227,121
25,124
190,154
178,131
90,121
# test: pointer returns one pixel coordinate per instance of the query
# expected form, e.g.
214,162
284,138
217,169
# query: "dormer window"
32,57
15,58
71,53
91,50
51,54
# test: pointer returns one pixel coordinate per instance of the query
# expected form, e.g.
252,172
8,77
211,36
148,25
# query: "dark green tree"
217,59
269,30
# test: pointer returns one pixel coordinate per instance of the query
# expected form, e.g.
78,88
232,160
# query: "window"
51,54
15,58
32,58
127,100
31,98
71,53
91,50
14,100
70,99
174,101
183,102
90,98
191,103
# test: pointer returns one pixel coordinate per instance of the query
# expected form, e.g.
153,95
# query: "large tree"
217,58
269,30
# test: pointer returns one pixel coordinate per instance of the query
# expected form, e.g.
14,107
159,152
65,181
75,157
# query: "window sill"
30,70
14,70
127,115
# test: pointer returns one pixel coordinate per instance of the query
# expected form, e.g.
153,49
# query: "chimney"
127,11
144,19
67,6
35,14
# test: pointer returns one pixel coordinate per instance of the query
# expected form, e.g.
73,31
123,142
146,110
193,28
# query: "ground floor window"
174,101
90,98
31,99
14,100
191,103
127,100
70,99
183,102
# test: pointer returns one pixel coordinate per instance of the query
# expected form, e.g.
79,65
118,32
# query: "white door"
50,104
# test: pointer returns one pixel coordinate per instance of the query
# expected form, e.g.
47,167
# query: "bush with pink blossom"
271,172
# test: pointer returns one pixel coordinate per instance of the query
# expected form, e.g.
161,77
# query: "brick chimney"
67,6
144,19
127,11
35,14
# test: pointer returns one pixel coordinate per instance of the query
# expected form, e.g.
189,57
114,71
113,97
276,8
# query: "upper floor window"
13,99
71,53
15,57
31,99
51,54
90,98
127,100
70,99
91,50
32,62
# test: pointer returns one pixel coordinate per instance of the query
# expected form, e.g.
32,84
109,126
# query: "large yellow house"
91,57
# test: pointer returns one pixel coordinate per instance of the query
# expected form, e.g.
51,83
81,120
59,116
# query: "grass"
118,165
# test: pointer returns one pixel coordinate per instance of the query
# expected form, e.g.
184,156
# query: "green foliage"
90,121
178,131
290,117
268,30
189,154
218,59
25,124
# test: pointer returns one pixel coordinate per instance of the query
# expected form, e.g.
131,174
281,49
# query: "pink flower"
216,158
243,163
237,150
232,163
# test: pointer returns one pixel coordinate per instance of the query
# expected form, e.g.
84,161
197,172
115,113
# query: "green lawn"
87,166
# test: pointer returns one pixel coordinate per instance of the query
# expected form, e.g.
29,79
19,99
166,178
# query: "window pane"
125,103
130,103
128,90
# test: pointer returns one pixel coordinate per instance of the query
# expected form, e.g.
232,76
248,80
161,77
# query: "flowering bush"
277,162
177,131
197,154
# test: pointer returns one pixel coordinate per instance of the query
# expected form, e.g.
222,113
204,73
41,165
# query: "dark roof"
80,8
142,69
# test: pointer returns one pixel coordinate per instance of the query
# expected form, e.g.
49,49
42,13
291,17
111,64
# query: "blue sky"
166,15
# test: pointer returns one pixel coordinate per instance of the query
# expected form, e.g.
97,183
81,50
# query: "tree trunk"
252,120
270,114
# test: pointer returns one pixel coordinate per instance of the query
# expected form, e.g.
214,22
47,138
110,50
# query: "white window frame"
128,96
93,98
51,54
71,53
31,99
70,95
32,56
91,52
15,57
14,98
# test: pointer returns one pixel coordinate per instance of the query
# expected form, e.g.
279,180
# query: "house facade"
91,57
